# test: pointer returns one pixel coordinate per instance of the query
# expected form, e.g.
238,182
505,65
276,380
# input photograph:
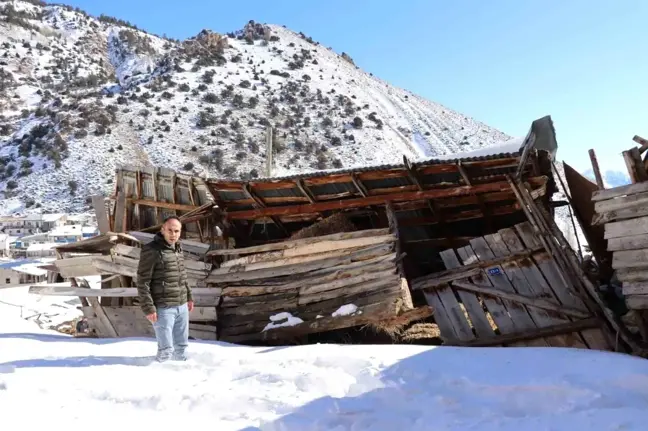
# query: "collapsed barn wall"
396,221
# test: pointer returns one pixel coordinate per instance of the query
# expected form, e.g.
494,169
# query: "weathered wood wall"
505,289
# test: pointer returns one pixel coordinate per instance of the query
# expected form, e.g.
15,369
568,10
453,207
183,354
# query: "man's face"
171,231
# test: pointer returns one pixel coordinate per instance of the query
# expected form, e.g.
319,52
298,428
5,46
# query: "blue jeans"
172,332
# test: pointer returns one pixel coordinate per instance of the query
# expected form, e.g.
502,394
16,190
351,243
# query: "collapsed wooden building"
614,222
466,243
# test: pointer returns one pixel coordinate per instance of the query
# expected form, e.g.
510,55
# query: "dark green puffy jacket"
161,276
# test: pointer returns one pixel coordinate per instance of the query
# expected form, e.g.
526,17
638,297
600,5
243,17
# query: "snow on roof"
41,247
66,230
30,269
27,266
89,229
511,146
53,217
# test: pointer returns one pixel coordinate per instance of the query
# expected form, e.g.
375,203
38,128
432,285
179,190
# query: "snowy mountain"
80,95
611,178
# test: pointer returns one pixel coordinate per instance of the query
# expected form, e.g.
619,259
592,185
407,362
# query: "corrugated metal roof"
357,169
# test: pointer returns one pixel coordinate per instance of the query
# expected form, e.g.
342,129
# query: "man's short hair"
172,218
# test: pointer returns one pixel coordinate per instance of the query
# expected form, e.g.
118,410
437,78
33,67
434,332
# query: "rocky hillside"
80,95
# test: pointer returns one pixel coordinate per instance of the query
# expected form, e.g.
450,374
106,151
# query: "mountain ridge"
83,95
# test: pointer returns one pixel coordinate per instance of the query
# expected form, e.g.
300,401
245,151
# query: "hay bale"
422,333
336,223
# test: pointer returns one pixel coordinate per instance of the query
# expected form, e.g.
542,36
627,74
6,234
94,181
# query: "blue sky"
503,62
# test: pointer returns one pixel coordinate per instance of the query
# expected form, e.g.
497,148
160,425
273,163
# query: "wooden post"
596,169
635,165
643,142
406,295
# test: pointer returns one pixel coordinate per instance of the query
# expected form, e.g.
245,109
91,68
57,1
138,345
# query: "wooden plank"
370,313
594,338
635,288
470,301
120,292
456,316
350,281
284,245
266,265
629,258
127,251
129,321
294,269
234,301
393,283
105,323
394,228
312,283
527,300
629,189
202,332
308,249
635,166
120,212
518,314
441,317
632,275
494,306
103,267
622,202
465,271
522,281
596,169
638,226
546,331
622,214
368,201
642,142
99,205
79,260
242,319
539,285
246,312
637,302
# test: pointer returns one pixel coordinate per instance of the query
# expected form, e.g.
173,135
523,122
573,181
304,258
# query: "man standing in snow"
164,294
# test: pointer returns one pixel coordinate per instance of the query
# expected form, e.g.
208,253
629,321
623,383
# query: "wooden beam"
283,245
103,222
546,331
394,228
120,212
596,169
60,289
304,190
529,143
371,200
641,141
358,185
527,300
157,204
473,269
463,172
261,204
635,165
626,190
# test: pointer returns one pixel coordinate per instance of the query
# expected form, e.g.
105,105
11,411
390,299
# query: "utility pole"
269,151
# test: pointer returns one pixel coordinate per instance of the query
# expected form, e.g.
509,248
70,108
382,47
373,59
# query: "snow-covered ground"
54,381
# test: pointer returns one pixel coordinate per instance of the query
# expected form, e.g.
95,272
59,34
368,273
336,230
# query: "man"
164,294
